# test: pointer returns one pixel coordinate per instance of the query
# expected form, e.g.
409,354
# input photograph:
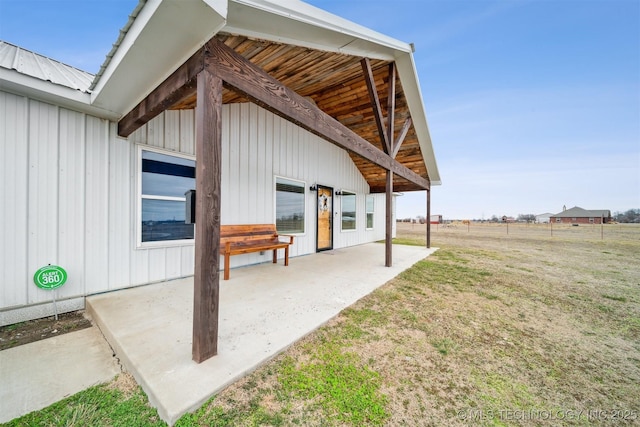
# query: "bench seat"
247,238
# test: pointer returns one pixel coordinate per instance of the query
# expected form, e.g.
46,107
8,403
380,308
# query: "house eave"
34,88
408,76
304,25
164,35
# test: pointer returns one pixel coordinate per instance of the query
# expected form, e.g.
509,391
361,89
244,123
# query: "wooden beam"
401,136
428,218
254,83
388,257
397,186
391,108
206,280
375,104
178,86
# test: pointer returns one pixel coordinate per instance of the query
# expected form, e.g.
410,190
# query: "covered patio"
349,86
263,310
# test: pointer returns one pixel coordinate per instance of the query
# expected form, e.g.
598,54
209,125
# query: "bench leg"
286,256
275,256
226,267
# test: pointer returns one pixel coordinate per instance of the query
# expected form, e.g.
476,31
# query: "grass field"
495,328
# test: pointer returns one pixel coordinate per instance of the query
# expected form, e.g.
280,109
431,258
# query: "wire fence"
612,231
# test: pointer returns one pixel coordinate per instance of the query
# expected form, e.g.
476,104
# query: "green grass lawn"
491,330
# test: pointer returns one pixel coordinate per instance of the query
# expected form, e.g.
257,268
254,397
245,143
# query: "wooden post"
388,258
428,218
206,282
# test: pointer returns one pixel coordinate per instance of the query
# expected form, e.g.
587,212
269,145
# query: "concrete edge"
123,360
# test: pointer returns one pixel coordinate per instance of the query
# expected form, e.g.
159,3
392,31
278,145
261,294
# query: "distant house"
543,218
577,215
436,219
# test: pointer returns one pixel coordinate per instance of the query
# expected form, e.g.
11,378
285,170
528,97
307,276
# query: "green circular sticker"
50,277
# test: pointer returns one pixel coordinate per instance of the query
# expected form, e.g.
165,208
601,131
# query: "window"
348,202
289,206
164,180
369,207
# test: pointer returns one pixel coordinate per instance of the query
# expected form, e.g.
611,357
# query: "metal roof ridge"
37,68
123,32
19,48
14,63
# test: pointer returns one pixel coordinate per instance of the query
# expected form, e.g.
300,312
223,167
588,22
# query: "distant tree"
494,218
527,217
630,216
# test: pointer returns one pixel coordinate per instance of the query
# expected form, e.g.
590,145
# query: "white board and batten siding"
70,196
46,183
257,147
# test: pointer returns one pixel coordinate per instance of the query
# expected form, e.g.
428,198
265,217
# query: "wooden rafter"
391,108
262,89
397,186
401,136
385,137
181,85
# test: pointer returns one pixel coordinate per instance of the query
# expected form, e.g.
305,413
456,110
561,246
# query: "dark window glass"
289,206
348,202
165,179
164,220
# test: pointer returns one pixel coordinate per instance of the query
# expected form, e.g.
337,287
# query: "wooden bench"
247,238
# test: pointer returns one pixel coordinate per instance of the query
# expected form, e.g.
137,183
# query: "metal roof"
40,67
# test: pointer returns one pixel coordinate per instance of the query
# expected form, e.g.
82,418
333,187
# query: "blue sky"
532,105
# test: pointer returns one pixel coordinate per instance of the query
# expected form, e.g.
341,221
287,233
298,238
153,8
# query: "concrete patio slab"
263,310
41,373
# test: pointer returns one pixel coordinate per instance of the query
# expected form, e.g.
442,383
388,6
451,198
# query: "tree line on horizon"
631,216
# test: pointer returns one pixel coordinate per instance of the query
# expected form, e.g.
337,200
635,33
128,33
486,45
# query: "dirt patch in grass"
39,329
125,383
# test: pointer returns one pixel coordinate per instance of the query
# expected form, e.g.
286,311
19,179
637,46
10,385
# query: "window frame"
303,184
367,212
139,197
344,193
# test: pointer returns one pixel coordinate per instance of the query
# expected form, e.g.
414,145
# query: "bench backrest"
247,233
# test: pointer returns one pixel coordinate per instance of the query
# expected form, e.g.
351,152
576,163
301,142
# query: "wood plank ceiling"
336,84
